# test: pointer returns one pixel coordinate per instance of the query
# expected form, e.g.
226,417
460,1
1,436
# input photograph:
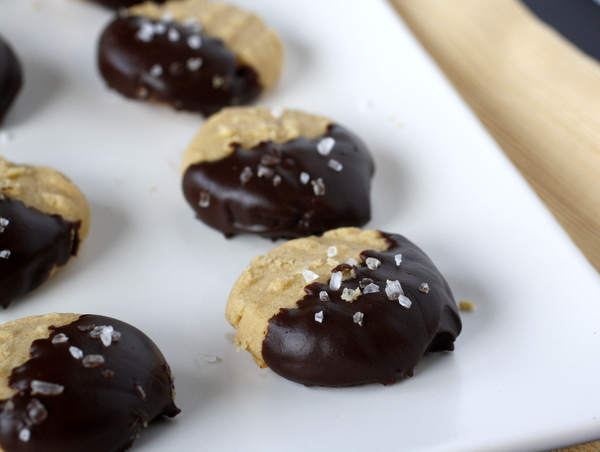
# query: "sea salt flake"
269,160
332,251
424,287
193,64
4,254
139,391
309,276
325,145
204,200
398,259
106,335
393,289
318,187
352,261
159,28
246,174
3,223
358,317
173,35
25,435
304,178
146,32
371,288
75,352
336,281
364,282
36,412
324,296
335,165
60,338
319,316
45,388
404,301
156,70
91,361
194,41
263,171
373,263
276,180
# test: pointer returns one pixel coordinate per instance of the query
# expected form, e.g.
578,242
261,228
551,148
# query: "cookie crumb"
464,305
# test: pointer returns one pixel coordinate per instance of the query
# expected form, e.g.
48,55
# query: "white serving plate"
524,375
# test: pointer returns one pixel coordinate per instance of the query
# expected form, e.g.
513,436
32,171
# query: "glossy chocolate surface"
285,190
175,64
327,343
32,243
11,78
86,389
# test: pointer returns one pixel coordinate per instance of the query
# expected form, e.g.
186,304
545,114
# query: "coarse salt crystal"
246,174
159,28
146,32
304,178
139,391
309,276
325,145
106,335
91,361
424,287
393,289
45,388
173,35
76,352
318,187
4,254
404,301
335,165
276,180
25,435
373,263
3,223
371,288
263,171
204,199
324,296
194,41
36,412
398,259
156,70
332,251
358,317
336,281
60,338
319,317
193,64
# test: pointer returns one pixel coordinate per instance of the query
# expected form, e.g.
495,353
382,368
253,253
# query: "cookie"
43,219
71,382
191,54
11,78
347,308
277,173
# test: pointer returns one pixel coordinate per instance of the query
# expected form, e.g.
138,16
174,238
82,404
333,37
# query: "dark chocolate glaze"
117,4
11,78
261,190
101,407
32,243
146,59
390,339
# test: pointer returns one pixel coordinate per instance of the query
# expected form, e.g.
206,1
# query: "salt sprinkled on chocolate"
324,296
156,70
373,263
173,35
371,288
325,145
365,282
335,165
3,223
25,435
336,281
309,276
106,335
4,254
91,361
204,199
358,317
393,289
246,174
398,259
263,171
304,178
404,301
424,287
194,41
60,338
139,391
193,64
77,353
36,412
318,187
45,388
276,180
319,317
146,32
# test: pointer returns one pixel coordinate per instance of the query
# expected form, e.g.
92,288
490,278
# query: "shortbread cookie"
43,219
79,383
347,308
11,77
277,173
192,54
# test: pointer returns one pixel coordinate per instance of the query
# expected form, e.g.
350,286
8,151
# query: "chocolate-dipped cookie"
347,308
79,383
192,54
43,219
277,173
11,77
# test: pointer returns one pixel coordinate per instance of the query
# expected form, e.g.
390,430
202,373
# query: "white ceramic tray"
524,375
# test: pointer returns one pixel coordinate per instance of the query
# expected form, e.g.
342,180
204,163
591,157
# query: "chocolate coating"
32,243
90,405
117,4
175,64
11,78
389,338
262,190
